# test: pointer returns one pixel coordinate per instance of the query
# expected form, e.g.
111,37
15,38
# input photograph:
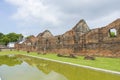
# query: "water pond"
21,67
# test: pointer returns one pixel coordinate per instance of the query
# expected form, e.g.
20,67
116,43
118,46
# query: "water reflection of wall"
27,68
25,71
71,72
9,60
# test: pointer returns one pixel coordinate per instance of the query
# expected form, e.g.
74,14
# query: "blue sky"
31,17
7,24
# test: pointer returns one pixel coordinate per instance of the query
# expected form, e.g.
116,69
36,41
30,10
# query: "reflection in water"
28,68
9,60
54,76
25,71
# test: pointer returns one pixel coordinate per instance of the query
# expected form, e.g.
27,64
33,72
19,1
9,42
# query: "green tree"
1,37
112,34
5,40
11,37
14,37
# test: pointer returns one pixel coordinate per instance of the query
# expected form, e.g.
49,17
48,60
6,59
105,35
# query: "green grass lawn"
100,62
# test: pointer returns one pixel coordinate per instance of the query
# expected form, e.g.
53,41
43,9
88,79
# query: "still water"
21,67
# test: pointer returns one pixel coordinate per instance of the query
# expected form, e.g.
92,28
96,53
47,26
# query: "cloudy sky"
34,16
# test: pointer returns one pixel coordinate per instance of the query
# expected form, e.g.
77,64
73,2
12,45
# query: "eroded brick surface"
79,40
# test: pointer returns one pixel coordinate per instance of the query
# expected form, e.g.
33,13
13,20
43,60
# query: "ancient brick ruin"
80,40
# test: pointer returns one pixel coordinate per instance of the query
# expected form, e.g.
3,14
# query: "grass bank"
100,62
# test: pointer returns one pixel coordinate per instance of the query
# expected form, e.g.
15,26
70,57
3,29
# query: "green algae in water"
29,68
24,69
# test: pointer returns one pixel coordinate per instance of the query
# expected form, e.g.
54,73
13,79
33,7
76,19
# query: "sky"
31,17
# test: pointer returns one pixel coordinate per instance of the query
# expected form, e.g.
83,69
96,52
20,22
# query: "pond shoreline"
73,64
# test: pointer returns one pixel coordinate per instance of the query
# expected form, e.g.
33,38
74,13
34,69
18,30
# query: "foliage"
112,34
5,40
1,38
1,35
11,37
14,37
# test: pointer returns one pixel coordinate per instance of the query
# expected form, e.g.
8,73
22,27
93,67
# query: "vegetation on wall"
112,34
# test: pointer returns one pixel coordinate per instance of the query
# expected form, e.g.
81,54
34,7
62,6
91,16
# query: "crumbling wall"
101,41
79,40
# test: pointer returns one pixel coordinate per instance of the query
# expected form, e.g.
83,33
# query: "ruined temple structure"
80,40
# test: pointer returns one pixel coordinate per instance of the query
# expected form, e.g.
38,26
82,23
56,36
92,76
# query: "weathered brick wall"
79,40
100,40
28,45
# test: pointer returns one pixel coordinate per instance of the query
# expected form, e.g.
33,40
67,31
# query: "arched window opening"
59,40
113,32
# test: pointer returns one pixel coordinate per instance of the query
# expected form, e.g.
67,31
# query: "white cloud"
104,20
35,10
61,15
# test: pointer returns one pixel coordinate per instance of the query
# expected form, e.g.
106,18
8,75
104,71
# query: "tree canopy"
11,37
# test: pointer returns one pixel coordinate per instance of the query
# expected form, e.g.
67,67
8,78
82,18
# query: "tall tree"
11,37
1,37
5,40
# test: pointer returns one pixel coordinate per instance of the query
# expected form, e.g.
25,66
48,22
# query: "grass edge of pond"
79,60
